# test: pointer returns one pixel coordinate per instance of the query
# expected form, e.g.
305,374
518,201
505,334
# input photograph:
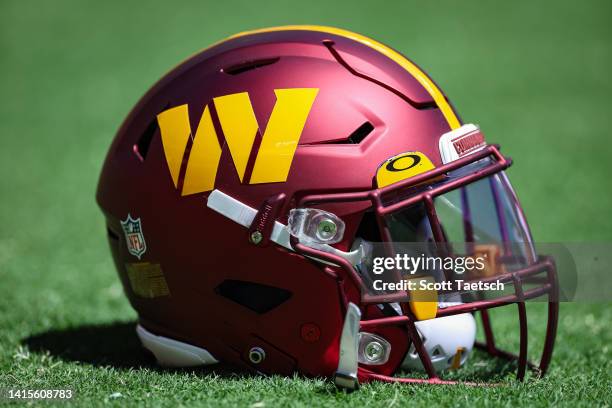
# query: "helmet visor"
482,213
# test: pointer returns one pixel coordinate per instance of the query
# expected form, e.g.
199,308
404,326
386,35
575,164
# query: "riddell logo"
239,126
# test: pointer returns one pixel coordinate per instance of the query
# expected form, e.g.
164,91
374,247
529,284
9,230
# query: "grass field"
535,76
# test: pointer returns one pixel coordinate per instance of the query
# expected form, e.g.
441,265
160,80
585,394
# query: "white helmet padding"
444,338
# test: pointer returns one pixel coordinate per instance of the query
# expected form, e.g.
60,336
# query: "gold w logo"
239,125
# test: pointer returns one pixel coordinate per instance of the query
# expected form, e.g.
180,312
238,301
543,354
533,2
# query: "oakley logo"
402,167
392,165
239,126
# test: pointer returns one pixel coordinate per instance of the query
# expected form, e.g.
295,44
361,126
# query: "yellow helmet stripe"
419,75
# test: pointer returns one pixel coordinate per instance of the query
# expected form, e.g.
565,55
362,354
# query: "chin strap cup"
346,382
346,374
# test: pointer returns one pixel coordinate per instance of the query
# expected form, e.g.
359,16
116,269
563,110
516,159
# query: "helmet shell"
197,250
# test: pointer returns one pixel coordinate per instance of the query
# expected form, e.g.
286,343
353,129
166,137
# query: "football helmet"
245,194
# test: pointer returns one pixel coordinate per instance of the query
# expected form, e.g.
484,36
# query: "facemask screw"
326,229
257,355
256,237
374,351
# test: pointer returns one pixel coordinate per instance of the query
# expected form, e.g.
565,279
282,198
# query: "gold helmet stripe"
419,75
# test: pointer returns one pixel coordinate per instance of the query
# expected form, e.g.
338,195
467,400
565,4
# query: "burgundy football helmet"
243,191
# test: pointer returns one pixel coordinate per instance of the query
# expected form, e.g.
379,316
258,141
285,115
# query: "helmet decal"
239,125
401,167
175,131
460,142
204,157
147,280
134,238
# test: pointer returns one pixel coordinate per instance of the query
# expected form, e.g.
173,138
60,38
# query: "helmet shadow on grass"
112,345
117,345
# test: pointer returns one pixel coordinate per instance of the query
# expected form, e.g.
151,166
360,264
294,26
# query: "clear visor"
484,214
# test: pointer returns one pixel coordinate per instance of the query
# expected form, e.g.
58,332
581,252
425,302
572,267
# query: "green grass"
536,77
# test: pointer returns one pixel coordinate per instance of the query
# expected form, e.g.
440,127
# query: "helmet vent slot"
356,137
238,69
141,147
359,134
254,296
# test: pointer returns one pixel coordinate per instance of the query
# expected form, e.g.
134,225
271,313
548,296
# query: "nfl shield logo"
132,228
